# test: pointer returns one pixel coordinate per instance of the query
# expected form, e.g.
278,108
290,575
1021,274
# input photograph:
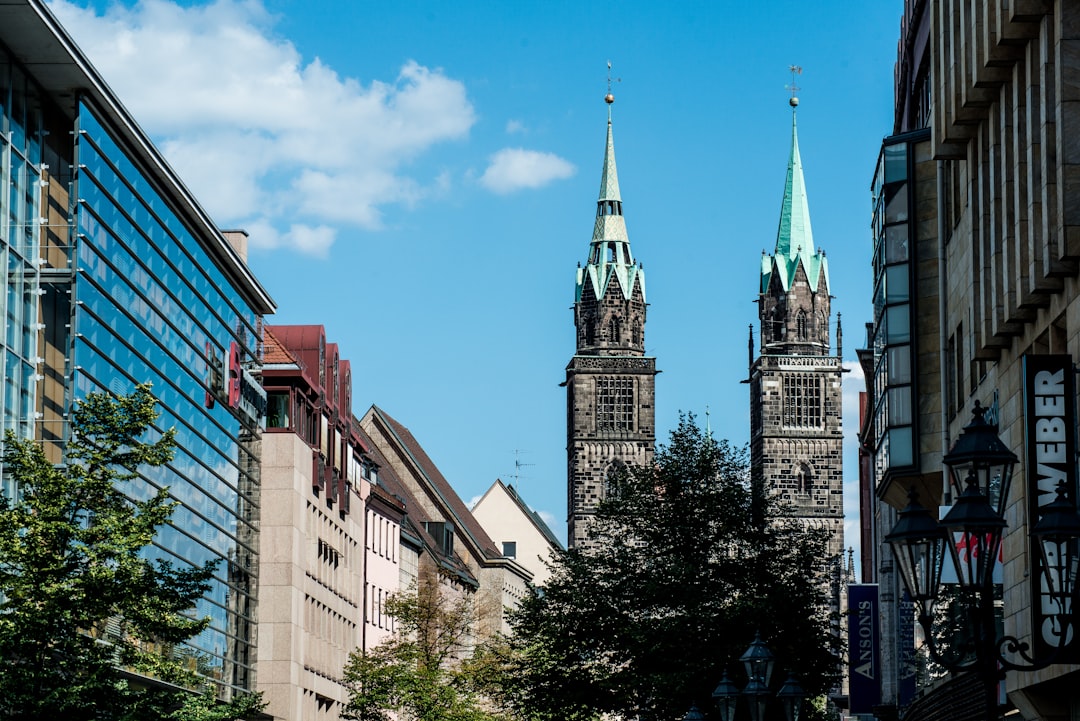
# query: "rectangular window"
277,409
510,549
614,404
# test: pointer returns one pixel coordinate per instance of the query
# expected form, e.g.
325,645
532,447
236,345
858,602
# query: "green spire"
610,257
794,234
794,237
609,181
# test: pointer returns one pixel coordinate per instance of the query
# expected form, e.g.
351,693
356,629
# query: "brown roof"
445,495
415,517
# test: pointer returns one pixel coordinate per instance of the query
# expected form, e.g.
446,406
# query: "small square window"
510,549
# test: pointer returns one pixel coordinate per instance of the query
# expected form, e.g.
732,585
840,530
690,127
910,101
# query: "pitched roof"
443,494
274,353
532,515
415,516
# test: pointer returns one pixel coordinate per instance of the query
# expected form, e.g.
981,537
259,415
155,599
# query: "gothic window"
804,478
800,326
803,401
613,329
637,339
614,404
612,478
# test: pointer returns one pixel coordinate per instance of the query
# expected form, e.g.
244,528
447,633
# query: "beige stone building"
977,291
329,534
459,545
519,530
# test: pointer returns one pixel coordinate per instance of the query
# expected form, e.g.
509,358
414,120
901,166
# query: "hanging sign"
1050,447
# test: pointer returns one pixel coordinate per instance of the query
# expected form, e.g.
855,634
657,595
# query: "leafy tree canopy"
85,617
687,561
425,671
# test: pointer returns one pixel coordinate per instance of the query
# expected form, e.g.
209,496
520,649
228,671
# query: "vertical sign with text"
1050,448
864,658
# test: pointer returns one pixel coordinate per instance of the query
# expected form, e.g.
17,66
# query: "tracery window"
614,404
802,400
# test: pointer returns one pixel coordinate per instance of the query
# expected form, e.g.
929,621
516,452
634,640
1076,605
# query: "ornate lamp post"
759,662
981,466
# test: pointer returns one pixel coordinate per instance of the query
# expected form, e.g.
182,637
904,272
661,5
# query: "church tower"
796,436
610,382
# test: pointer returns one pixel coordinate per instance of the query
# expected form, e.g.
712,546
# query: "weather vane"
609,98
795,70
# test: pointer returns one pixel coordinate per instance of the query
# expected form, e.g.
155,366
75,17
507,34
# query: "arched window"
613,329
805,479
801,331
614,477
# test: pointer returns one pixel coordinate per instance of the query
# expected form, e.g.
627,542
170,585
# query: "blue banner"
864,655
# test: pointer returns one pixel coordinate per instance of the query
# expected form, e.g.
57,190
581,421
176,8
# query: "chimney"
238,239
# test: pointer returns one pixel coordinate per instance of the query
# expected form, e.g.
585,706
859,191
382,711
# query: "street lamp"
759,662
980,470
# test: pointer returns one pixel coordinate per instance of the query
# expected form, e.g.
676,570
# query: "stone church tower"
796,437
610,383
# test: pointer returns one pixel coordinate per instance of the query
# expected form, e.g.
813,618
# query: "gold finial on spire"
795,70
609,98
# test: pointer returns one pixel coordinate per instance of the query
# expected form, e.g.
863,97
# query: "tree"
80,604
425,671
689,559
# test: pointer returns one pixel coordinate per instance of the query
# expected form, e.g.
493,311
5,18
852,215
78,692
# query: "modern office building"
610,382
976,231
113,276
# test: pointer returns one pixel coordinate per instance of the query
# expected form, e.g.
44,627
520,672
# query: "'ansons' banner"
864,677
1050,445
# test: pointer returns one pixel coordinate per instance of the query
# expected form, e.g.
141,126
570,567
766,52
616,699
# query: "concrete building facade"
453,540
321,534
521,532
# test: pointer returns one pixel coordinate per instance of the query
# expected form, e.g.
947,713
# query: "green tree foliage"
83,613
425,671
688,562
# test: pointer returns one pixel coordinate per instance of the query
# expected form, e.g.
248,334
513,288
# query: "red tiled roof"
273,351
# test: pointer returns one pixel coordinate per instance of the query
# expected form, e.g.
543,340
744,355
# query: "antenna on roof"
518,465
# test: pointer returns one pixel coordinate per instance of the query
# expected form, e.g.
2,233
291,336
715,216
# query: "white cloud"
513,169
313,241
515,126
265,139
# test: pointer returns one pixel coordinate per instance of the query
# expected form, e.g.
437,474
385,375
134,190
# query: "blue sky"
421,178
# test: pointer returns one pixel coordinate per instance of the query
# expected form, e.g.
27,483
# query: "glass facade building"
894,442
114,276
